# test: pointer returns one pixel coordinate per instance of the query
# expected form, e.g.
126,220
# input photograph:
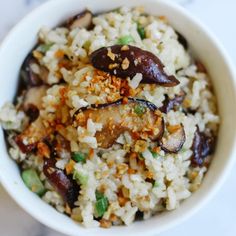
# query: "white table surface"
219,216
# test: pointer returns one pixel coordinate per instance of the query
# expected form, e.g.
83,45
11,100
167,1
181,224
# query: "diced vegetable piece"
139,109
127,61
156,184
79,157
32,181
141,31
82,178
101,205
99,195
154,154
125,40
44,47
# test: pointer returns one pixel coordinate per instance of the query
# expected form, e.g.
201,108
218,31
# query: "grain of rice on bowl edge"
114,120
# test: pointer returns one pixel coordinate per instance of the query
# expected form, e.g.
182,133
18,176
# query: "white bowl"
204,45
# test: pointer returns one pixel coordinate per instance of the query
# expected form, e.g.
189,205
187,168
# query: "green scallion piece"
101,205
79,157
141,31
154,154
156,184
139,109
82,178
44,47
32,181
125,40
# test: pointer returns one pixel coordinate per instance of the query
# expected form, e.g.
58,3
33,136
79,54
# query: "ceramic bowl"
203,44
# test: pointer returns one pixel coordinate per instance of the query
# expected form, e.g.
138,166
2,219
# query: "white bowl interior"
23,37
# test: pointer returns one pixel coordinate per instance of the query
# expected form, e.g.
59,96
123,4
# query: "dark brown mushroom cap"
63,184
30,78
126,61
170,104
203,145
81,20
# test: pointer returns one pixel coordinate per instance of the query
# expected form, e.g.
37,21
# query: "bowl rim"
230,162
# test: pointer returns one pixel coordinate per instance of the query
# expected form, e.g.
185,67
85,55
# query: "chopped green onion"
79,157
99,195
125,40
101,204
32,181
154,154
141,31
87,45
139,109
140,156
83,179
44,47
156,184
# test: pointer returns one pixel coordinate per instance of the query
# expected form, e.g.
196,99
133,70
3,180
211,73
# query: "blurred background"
218,217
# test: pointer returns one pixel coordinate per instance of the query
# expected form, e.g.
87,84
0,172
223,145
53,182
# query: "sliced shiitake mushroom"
32,101
63,184
170,104
29,138
200,67
203,145
29,68
182,40
60,146
174,140
81,20
135,115
126,61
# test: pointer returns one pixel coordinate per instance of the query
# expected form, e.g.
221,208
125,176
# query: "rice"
111,186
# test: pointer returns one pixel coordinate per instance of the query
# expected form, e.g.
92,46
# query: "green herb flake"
154,154
83,179
140,156
99,195
87,45
33,182
125,40
44,47
141,31
101,205
139,109
156,184
79,157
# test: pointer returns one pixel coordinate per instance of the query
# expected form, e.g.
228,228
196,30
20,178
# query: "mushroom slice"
82,20
182,40
126,61
174,140
134,115
170,104
32,102
33,73
63,184
203,145
29,138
